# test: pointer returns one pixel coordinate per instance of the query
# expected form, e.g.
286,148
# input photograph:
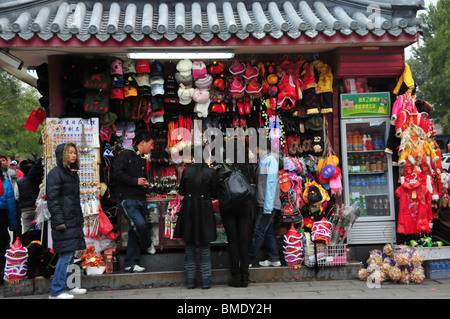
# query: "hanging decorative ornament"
293,249
321,231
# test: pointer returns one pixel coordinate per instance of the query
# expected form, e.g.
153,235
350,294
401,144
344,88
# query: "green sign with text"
365,104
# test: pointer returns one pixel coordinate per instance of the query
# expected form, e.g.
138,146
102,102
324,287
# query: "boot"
235,281
244,280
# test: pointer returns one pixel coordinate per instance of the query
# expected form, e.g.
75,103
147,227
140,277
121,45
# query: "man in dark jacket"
27,195
63,201
129,172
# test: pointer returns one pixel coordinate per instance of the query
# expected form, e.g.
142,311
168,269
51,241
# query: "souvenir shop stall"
291,61
292,97
289,97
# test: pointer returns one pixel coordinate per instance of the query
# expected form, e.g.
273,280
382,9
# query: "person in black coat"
130,171
196,223
63,201
236,219
27,195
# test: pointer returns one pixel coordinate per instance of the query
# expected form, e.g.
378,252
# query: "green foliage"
431,63
17,100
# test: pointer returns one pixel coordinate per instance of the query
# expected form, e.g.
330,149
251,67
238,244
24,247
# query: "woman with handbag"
236,222
196,223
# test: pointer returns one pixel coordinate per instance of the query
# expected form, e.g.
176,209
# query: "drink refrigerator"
366,170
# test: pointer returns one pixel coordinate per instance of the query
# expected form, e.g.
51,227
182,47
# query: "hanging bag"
289,209
234,190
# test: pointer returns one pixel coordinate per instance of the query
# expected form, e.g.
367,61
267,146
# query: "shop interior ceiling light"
186,54
11,59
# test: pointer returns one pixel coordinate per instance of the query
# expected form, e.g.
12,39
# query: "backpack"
289,210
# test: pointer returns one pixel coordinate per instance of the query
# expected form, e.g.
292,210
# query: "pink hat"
204,82
237,88
116,67
237,67
200,96
250,72
198,70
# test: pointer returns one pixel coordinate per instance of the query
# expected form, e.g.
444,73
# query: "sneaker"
151,250
64,295
134,268
77,291
267,263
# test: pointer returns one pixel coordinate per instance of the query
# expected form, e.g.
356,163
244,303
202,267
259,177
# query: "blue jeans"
138,235
59,281
190,264
263,234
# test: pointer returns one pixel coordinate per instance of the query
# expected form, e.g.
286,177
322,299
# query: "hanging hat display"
250,72
142,66
16,262
321,231
285,182
237,88
293,248
184,67
237,68
198,70
217,67
129,66
116,67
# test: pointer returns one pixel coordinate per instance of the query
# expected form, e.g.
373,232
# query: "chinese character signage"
365,104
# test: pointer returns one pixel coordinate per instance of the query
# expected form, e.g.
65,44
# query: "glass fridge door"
367,170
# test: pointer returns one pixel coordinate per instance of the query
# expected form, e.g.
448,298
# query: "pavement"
310,289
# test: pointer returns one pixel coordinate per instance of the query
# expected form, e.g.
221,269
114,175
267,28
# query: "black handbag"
234,190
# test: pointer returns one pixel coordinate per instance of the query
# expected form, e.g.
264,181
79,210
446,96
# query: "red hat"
117,93
218,107
142,66
217,67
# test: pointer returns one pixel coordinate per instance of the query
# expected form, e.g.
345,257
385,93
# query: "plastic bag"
105,225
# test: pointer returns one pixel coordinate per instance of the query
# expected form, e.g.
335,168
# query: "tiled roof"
172,19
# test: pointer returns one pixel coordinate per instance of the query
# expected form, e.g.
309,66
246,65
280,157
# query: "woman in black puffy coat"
63,200
196,223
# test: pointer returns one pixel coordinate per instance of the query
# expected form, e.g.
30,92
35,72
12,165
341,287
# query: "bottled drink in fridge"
357,184
369,143
383,182
363,206
377,186
361,163
363,185
367,163
371,185
373,164
349,142
350,163
376,141
351,185
386,209
384,161
378,163
381,141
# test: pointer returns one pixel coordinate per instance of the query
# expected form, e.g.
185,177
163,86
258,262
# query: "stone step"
121,280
